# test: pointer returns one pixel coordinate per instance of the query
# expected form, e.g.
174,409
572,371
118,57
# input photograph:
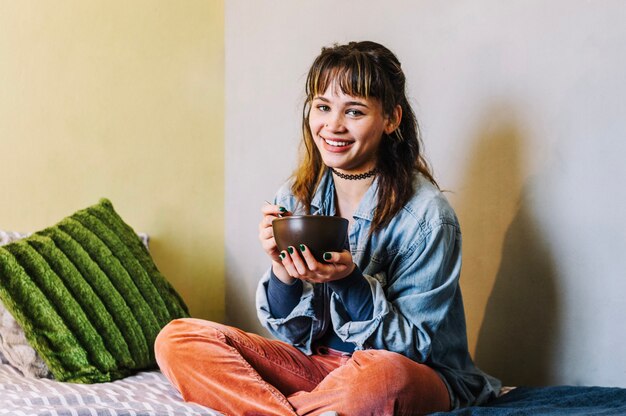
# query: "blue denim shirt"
412,266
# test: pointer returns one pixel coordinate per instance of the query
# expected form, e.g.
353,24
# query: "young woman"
376,329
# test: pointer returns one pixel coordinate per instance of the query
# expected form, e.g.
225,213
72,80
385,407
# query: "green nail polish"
282,209
282,255
327,256
302,248
290,249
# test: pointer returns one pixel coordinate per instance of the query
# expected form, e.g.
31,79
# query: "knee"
175,340
390,371
405,383
168,340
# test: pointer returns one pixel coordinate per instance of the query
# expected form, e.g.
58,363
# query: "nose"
334,122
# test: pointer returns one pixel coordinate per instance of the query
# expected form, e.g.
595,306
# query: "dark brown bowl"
320,233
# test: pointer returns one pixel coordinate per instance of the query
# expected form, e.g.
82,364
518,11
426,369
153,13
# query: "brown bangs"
350,74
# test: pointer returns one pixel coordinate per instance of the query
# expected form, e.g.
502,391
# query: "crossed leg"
239,373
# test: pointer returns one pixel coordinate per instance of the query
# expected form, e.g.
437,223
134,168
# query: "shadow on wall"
504,251
519,334
241,295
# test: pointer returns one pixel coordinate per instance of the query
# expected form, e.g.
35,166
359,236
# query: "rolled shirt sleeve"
299,326
421,291
355,295
282,297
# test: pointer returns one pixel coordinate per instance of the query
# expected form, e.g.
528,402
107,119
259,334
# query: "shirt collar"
368,204
323,202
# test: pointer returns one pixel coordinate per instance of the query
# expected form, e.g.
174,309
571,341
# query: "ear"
394,119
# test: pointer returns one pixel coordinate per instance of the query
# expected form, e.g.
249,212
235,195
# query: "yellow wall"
119,99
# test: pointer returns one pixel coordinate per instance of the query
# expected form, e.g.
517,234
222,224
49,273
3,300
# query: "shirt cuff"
282,297
355,294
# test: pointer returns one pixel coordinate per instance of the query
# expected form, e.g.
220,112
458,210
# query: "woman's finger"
297,261
266,233
310,260
266,237
288,264
269,209
269,245
341,263
274,210
266,222
330,256
338,257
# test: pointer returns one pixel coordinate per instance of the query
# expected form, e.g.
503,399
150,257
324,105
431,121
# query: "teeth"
335,143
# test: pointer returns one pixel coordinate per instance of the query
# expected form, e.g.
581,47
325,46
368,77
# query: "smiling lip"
336,145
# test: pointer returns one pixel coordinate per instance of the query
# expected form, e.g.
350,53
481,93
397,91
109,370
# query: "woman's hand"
300,264
266,236
266,233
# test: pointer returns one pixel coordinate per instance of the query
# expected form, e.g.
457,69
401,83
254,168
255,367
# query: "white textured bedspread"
144,394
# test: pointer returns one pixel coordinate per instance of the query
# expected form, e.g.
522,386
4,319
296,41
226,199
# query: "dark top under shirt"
353,291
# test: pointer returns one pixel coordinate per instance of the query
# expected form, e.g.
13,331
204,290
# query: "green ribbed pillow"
89,297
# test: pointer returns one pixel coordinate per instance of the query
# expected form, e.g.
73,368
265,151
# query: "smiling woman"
366,80
347,130
382,318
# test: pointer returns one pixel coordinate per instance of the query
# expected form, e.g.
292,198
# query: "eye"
354,112
323,107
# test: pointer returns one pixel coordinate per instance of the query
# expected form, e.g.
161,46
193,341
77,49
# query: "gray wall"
522,108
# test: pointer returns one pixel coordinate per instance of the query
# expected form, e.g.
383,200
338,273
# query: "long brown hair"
369,70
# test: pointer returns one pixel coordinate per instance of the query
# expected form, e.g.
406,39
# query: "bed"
149,394
146,393
552,401
69,347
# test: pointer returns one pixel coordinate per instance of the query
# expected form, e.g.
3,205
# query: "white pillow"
14,348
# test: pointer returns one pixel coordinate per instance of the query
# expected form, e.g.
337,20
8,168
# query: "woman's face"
347,130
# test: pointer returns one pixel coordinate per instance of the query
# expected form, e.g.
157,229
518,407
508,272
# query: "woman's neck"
349,194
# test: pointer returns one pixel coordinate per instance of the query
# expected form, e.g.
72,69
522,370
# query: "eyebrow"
349,103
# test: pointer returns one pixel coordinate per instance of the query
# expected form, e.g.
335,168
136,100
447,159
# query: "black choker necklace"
355,177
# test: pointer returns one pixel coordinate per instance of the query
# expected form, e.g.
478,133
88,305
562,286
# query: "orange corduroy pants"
239,373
